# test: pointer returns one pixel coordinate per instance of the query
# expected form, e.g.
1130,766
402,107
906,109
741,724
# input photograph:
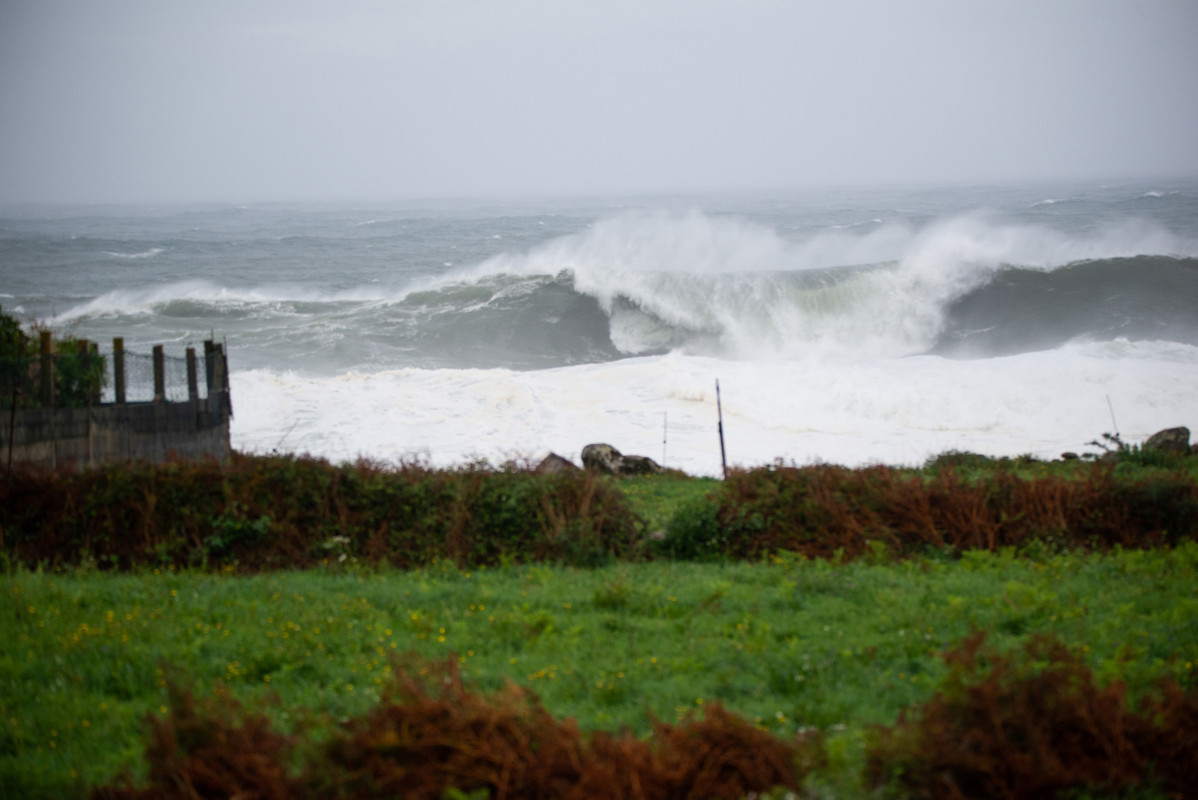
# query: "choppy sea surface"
847,326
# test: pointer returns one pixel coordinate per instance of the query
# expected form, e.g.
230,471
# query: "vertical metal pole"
664,429
12,424
159,374
720,413
118,368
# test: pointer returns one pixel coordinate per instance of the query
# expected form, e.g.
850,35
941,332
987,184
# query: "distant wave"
153,251
858,224
157,299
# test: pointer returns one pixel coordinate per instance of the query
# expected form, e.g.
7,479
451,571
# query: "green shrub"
694,533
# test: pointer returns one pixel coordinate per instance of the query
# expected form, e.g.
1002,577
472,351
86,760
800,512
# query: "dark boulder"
602,458
1173,440
639,465
554,463
608,460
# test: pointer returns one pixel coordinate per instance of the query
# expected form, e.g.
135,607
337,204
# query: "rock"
1174,440
639,465
608,460
555,463
602,458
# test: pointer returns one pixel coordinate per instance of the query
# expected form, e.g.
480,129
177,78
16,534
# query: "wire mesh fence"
97,377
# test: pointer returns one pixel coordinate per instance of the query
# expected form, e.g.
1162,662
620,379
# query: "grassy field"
785,642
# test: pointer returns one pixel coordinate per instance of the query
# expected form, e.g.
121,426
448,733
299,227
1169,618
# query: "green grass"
785,643
656,498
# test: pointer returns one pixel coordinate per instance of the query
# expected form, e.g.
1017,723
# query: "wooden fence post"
97,361
209,346
118,368
220,383
193,384
159,374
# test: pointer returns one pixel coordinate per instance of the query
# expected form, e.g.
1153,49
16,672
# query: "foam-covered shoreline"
898,411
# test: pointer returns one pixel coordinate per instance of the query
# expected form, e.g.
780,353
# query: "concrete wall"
82,437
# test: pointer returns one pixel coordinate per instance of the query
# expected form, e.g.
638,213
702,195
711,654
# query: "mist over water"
847,327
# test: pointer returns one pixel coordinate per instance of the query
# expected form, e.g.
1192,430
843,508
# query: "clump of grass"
657,498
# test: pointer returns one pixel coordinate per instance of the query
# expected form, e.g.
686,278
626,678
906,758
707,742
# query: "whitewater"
850,326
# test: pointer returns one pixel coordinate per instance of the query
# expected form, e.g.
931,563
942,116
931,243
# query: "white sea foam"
897,411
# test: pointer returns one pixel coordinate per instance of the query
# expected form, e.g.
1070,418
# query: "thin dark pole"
12,424
720,414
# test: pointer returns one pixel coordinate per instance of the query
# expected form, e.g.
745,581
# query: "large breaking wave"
642,283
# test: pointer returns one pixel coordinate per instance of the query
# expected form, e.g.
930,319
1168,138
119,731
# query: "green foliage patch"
79,371
788,643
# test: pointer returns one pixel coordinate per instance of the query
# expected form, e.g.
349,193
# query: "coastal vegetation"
75,380
292,628
258,513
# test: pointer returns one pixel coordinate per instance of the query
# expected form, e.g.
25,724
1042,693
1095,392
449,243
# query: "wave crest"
724,286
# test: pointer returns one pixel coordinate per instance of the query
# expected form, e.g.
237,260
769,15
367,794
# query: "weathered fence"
81,406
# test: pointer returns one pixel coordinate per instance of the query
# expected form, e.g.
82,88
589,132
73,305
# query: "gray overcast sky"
143,100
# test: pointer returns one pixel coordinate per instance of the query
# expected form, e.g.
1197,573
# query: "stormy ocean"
845,326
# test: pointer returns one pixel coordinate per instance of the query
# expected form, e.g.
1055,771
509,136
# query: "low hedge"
835,512
277,512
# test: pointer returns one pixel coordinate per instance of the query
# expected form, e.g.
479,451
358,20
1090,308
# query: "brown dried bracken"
827,511
430,733
1031,725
